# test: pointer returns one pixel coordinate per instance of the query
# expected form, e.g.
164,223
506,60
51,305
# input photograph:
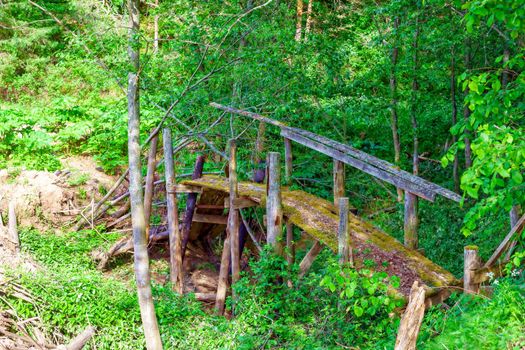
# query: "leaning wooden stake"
309,258
471,264
233,216
176,273
80,340
222,286
339,181
411,220
150,178
411,319
274,210
343,234
12,226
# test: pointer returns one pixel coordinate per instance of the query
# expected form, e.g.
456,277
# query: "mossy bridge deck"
318,218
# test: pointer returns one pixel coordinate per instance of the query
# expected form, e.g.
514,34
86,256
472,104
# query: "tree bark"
466,109
142,276
308,19
150,178
299,24
455,169
393,103
156,30
175,240
274,211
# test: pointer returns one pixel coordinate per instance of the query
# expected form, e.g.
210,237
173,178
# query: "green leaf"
358,311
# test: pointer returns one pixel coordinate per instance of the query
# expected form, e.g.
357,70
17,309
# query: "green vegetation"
446,77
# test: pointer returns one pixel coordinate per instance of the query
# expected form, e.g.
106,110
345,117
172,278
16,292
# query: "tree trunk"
299,24
466,110
308,19
142,276
150,178
455,169
156,30
393,104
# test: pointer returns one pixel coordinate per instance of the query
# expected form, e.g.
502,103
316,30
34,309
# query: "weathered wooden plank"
233,215
179,188
274,210
288,162
503,245
210,219
359,164
240,202
411,221
343,234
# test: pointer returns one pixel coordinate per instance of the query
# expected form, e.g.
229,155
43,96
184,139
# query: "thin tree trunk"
191,203
156,30
299,24
455,169
308,20
142,276
466,110
393,104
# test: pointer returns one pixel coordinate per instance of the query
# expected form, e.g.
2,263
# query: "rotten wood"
309,258
411,319
274,210
175,239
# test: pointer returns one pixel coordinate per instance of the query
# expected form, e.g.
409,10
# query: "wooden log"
222,287
190,205
12,226
411,319
178,188
484,274
504,244
206,297
240,202
309,258
411,221
288,161
210,219
175,239
471,263
339,180
274,210
423,192
233,216
351,152
343,234
80,340
150,178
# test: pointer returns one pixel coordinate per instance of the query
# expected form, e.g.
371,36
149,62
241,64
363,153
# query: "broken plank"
240,203
210,219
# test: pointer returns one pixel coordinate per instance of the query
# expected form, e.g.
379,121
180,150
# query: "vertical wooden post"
148,191
222,286
411,220
339,181
471,263
290,257
191,203
233,216
343,234
12,226
288,165
274,211
175,241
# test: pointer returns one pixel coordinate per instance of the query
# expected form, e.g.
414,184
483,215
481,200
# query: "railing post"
233,216
274,211
288,166
343,234
471,264
411,220
339,181
175,239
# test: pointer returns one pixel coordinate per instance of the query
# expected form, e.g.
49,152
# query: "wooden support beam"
12,227
411,221
290,244
471,263
179,188
274,210
288,161
309,258
505,243
210,206
150,178
233,216
421,191
411,319
343,234
339,180
175,239
483,274
210,219
240,202
191,202
222,287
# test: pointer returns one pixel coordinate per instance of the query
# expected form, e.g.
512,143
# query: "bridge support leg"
290,245
175,239
339,181
233,216
309,258
288,166
471,264
274,211
411,220
343,234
